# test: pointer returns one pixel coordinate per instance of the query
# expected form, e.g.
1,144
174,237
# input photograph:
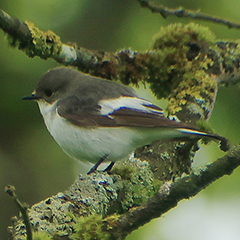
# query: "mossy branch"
159,65
112,206
170,193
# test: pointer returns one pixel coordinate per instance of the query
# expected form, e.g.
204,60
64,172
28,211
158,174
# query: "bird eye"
48,93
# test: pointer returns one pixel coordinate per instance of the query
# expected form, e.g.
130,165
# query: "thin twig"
182,13
10,190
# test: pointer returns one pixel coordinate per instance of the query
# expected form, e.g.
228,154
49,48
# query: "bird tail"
224,143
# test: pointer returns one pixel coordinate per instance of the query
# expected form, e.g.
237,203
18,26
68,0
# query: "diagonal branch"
171,193
15,28
123,202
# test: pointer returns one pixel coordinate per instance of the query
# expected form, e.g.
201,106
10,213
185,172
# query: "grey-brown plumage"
91,117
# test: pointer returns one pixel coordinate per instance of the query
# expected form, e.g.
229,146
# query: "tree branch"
15,28
128,195
170,193
158,66
182,13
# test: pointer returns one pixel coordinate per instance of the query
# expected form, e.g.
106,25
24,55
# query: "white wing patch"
108,106
192,131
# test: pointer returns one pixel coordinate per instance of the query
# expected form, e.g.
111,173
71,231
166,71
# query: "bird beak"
32,97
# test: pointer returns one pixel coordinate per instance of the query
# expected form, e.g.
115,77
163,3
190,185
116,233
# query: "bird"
93,119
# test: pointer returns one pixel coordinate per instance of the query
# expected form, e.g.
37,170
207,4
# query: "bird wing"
138,112
82,112
114,112
134,112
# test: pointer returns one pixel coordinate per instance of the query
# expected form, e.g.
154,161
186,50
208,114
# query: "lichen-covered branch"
112,206
177,52
170,193
183,13
131,184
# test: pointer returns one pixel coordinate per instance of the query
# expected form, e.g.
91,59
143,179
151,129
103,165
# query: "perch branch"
108,194
171,193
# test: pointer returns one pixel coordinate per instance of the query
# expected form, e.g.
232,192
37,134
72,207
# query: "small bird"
93,119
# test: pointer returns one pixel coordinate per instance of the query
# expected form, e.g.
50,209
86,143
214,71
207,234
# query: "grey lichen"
93,196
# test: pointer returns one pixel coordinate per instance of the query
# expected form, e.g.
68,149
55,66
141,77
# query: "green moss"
91,227
41,236
88,228
111,221
124,171
45,44
157,184
198,86
176,49
137,179
179,34
164,66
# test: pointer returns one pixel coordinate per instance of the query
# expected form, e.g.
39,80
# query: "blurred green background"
31,160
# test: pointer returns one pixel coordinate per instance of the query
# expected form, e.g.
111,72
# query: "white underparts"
92,143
